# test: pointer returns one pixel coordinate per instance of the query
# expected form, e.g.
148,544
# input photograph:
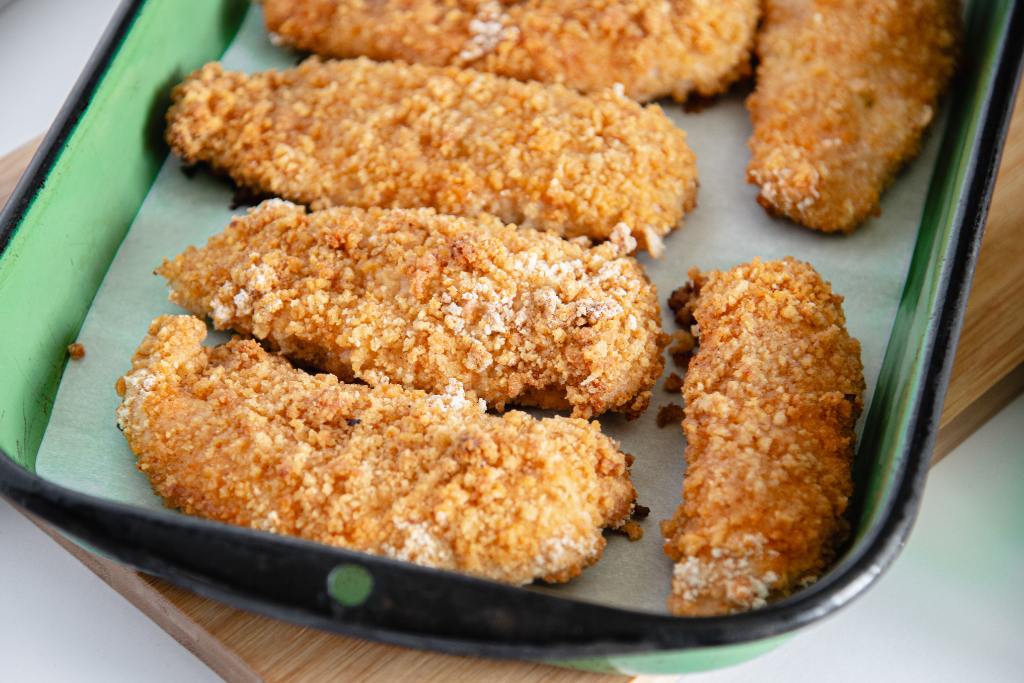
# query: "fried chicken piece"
393,135
418,298
845,89
772,397
237,435
650,48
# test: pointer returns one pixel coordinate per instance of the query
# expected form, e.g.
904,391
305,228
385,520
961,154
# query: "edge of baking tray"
46,156
148,540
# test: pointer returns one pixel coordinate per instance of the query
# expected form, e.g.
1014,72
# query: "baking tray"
68,216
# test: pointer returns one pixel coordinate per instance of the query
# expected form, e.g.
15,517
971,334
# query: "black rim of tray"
425,608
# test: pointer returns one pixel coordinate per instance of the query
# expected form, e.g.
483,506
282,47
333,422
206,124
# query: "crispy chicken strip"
772,397
365,134
651,48
237,435
845,89
419,298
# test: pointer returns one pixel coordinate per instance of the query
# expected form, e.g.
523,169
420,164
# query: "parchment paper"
83,449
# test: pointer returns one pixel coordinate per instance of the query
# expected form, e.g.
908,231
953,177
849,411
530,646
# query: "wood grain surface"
240,646
988,372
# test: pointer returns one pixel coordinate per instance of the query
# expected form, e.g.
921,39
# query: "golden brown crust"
237,435
365,134
651,48
845,89
420,298
772,398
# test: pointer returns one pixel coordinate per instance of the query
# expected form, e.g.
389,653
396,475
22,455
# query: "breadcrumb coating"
649,48
845,90
235,434
419,298
392,135
772,398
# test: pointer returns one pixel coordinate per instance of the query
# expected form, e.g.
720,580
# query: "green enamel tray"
68,215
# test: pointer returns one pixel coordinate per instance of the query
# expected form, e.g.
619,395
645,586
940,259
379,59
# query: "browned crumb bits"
682,301
673,383
669,414
681,348
76,351
632,530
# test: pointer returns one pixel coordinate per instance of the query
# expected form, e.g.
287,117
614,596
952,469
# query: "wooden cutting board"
239,646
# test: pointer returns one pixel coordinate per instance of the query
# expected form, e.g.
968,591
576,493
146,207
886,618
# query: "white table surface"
951,609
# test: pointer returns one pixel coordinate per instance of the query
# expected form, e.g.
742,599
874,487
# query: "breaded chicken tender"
845,90
420,298
650,48
772,398
237,435
364,134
